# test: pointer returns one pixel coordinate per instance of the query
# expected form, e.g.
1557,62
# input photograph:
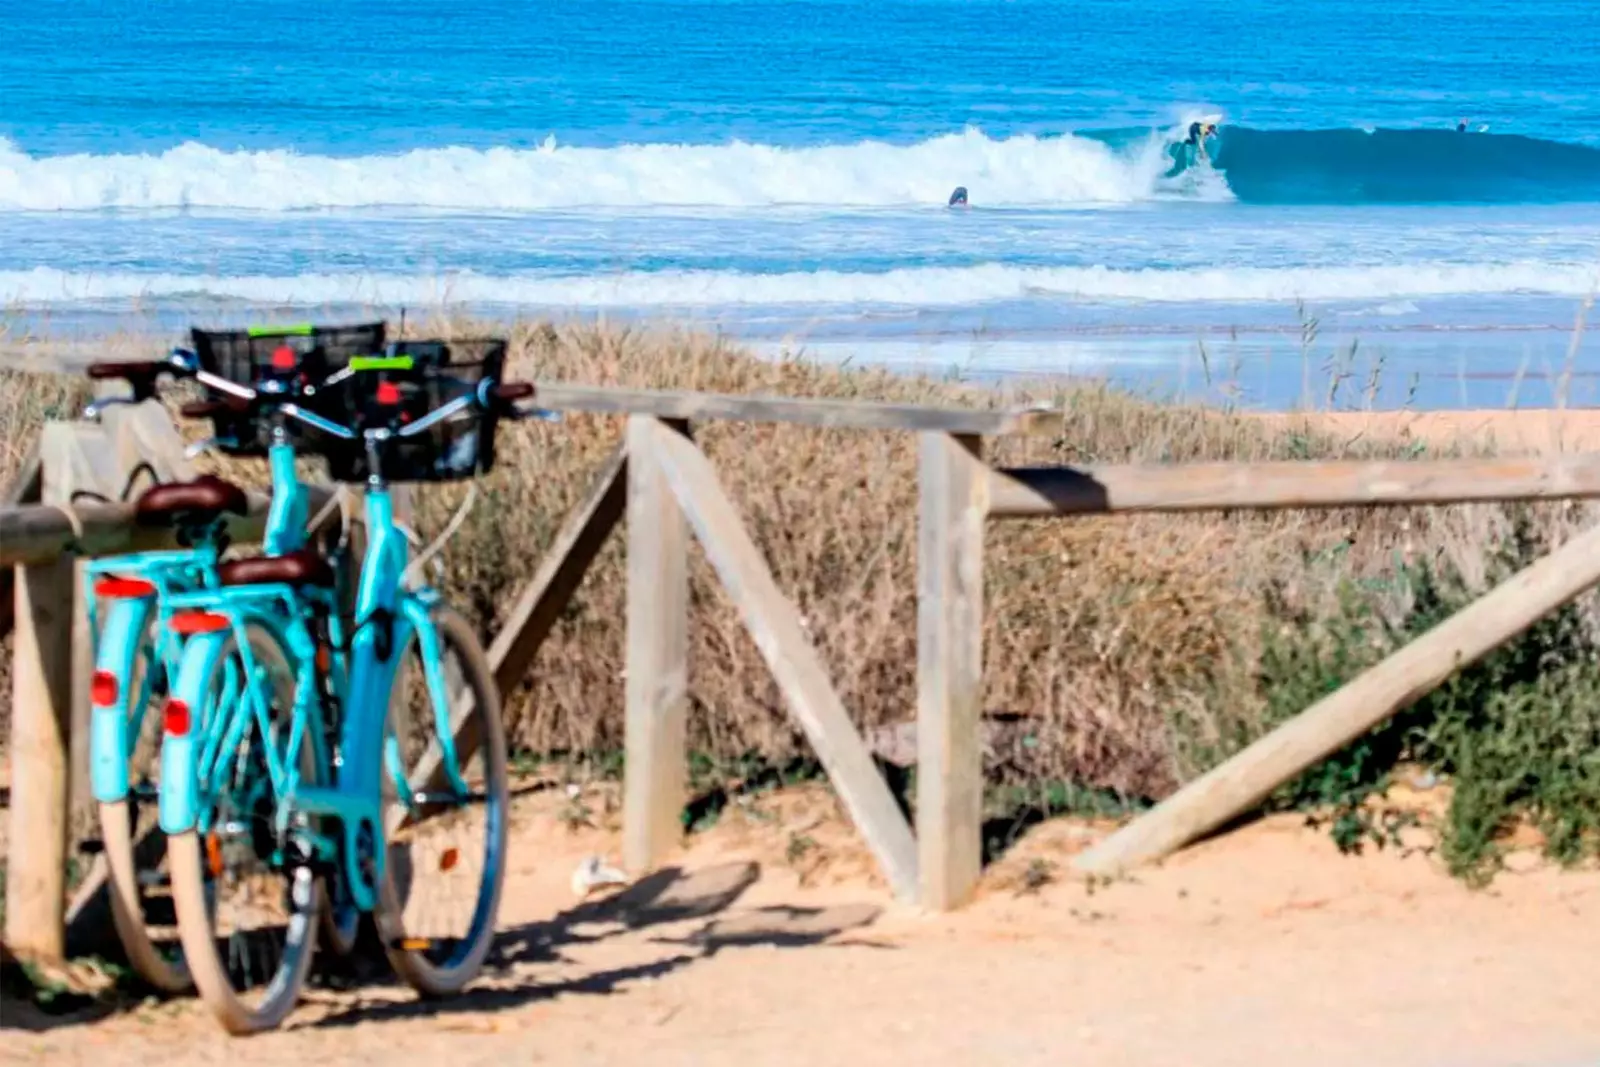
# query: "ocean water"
779,170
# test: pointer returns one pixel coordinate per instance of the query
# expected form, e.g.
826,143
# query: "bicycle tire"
428,977
196,920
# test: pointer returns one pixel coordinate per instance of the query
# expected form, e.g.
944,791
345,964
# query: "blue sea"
779,170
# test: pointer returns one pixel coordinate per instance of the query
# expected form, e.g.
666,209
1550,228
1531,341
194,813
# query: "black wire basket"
414,379
292,355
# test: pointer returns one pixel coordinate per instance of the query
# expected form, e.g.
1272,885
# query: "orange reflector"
324,660
388,393
175,718
198,622
125,588
415,944
214,854
103,689
448,860
283,358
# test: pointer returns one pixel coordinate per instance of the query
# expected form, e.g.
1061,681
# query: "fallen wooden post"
1245,780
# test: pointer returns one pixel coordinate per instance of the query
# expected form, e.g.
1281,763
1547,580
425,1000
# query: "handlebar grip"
205,409
147,370
511,391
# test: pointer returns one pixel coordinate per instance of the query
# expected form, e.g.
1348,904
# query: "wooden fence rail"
669,493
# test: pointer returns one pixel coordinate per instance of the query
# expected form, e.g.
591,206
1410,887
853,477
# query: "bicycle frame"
388,617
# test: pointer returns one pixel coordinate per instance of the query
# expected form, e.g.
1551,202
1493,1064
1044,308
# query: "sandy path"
1262,947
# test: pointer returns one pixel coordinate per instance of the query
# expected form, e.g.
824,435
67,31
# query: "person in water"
1461,127
959,197
1199,132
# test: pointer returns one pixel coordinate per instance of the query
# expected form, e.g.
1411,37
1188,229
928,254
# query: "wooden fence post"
41,728
775,626
655,762
953,484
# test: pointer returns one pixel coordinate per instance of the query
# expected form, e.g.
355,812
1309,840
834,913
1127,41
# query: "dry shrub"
1127,644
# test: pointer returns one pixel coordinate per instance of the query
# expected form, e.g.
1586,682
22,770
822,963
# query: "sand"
771,940
1265,946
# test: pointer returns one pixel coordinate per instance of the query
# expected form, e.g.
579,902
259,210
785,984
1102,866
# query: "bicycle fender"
117,651
180,775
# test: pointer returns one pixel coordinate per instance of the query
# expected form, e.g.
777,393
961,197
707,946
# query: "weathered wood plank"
79,458
954,502
1024,492
575,547
35,533
145,434
794,663
834,414
41,737
24,489
1242,782
655,759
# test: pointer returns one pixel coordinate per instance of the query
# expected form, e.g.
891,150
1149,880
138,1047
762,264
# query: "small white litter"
593,873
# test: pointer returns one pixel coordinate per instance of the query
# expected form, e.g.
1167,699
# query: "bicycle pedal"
412,944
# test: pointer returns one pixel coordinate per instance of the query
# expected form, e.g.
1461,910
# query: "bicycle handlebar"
143,376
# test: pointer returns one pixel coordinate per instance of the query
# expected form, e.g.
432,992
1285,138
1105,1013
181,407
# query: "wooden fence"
668,489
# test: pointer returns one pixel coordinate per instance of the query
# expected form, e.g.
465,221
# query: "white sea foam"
914,287
1017,171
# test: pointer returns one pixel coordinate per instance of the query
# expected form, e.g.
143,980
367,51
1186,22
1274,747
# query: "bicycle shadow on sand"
688,914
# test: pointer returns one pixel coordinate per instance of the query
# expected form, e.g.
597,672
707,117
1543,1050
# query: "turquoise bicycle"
251,802
136,647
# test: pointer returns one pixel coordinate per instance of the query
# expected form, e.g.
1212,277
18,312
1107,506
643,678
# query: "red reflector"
129,588
175,718
103,689
198,622
388,393
283,358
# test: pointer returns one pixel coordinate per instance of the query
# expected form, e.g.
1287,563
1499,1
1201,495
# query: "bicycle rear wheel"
439,824
249,958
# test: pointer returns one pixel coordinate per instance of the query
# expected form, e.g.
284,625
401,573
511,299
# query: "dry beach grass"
1126,654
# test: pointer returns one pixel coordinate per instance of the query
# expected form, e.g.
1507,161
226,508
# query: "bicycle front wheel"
248,919
445,810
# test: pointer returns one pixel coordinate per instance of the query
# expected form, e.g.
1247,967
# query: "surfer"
1192,149
1461,127
959,197
1198,134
